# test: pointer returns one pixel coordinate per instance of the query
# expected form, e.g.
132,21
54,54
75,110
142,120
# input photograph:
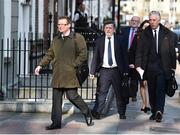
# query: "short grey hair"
155,13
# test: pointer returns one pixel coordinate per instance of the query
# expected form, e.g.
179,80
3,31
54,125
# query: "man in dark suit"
156,56
129,34
110,61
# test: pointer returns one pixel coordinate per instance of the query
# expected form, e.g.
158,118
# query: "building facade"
168,8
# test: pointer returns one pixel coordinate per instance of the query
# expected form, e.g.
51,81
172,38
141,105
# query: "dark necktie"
155,41
110,62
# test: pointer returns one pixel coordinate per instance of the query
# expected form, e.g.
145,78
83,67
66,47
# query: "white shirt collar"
111,37
66,33
157,29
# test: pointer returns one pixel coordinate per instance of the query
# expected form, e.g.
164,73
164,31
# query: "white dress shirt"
105,58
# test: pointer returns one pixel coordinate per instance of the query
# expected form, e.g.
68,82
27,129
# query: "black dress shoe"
96,115
145,109
158,116
88,118
53,126
152,117
122,117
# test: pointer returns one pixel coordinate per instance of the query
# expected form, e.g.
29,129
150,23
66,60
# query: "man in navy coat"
129,34
110,61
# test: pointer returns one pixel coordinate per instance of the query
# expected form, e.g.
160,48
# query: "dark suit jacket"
166,47
120,54
132,50
125,33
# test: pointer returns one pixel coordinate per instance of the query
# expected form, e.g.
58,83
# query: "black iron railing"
18,60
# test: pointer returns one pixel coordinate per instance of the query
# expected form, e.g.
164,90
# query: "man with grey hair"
130,40
156,57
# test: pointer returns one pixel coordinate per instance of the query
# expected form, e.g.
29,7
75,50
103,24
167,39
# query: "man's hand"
140,71
131,66
173,72
38,68
91,76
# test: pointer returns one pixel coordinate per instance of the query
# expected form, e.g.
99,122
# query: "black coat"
166,53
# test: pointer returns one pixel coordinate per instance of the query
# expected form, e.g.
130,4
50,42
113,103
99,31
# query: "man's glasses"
134,20
62,24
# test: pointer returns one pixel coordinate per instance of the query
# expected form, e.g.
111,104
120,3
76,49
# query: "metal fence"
18,60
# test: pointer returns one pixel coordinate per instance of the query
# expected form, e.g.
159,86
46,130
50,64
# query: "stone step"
40,105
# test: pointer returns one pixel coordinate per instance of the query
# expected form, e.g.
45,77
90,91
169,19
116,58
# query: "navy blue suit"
120,54
110,76
133,74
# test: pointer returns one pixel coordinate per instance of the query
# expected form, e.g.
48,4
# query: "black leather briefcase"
82,72
171,85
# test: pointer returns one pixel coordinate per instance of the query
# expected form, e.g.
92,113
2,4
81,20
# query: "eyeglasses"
135,20
62,24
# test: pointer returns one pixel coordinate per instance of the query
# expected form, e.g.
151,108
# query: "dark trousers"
74,98
133,77
156,90
109,77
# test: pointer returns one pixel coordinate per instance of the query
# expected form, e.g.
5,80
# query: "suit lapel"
102,46
161,35
115,45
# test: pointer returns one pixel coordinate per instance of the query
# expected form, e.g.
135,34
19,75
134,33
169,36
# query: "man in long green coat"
68,50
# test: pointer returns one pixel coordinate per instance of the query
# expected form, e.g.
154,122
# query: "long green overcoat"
65,54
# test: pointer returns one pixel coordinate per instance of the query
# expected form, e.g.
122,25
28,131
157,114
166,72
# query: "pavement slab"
137,122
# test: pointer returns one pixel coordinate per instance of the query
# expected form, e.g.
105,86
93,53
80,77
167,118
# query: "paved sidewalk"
136,122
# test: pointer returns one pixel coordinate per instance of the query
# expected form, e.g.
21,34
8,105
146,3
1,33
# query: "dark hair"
65,17
109,22
140,29
142,24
